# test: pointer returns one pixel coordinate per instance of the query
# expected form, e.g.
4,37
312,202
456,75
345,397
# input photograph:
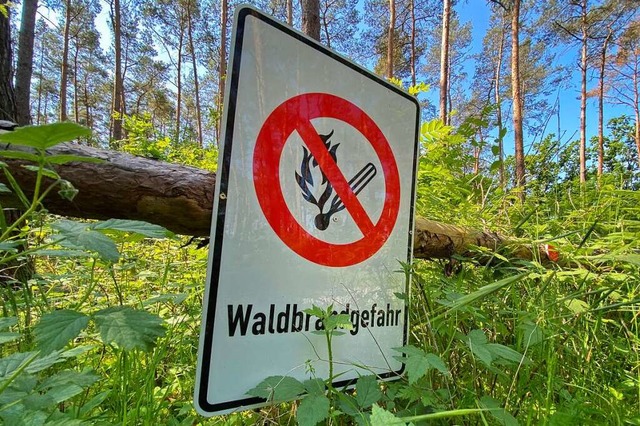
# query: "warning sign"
313,206
296,114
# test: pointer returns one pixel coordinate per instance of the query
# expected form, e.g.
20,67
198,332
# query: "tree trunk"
64,71
636,100
391,38
517,99
290,12
180,198
24,69
7,99
179,85
223,65
499,105
194,64
444,61
583,95
118,87
40,66
603,59
412,7
311,18
76,106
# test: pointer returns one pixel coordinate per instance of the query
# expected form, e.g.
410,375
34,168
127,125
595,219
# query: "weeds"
106,331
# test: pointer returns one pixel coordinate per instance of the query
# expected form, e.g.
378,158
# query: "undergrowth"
106,330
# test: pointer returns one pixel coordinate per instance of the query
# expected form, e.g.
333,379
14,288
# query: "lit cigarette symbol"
357,184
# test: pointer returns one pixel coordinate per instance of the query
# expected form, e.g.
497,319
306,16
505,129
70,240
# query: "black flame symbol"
305,179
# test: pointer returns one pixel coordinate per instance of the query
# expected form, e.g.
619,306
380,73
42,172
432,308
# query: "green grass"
514,342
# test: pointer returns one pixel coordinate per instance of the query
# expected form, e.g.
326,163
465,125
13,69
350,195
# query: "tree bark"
180,198
498,99
7,99
603,59
194,64
517,99
64,72
179,85
391,38
444,61
583,94
118,87
223,65
311,18
412,7
24,69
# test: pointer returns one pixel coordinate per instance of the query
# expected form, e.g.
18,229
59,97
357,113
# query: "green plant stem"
36,189
5,384
90,287
115,283
330,356
34,206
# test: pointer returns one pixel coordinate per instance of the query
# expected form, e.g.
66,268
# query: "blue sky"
477,13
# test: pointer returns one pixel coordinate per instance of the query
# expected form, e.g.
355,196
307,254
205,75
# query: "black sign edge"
242,13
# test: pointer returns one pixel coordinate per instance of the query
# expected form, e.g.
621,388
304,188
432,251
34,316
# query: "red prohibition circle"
295,114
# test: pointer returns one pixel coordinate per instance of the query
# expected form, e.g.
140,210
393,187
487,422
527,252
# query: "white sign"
314,206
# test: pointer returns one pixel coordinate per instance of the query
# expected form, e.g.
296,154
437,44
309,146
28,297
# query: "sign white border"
202,404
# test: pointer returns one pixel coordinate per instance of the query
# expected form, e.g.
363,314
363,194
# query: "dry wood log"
180,198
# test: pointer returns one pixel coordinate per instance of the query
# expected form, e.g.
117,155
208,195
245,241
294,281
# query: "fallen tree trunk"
180,198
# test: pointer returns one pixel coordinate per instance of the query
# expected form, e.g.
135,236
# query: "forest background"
106,328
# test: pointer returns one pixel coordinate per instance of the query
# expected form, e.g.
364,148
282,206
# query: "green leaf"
504,352
7,336
80,236
136,226
577,306
76,351
312,410
333,322
315,386
83,379
417,362
46,136
477,337
67,190
15,186
94,402
4,189
483,292
367,391
129,328
10,246
168,297
13,362
477,342
57,328
45,172
278,388
500,414
315,311
348,405
62,393
7,322
436,362
68,158
381,417
60,253
20,155
44,362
